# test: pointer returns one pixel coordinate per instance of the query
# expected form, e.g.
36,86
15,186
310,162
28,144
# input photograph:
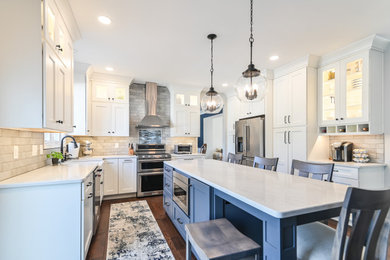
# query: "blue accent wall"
202,117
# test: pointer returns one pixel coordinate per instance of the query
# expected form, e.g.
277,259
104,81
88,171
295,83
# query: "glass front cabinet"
350,99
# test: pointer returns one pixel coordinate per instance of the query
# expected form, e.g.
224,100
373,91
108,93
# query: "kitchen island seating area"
274,208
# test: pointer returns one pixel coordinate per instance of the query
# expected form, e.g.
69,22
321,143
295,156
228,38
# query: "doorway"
213,134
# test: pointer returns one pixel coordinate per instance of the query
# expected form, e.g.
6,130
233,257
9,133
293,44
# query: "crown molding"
303,62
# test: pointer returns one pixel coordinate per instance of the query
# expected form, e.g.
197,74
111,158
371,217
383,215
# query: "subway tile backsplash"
25,141
373,143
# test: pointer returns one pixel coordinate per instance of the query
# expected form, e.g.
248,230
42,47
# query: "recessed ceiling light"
275,57
104,19
225,84
109,69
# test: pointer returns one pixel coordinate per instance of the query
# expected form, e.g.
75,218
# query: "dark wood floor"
98,248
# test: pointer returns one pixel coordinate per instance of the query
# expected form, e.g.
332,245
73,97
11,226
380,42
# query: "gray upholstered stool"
218,239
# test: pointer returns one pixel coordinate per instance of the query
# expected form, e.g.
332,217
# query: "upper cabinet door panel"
328,93
281,101
120,94
101,92
120,119
355,89
297,115
51,23
101,119
50,88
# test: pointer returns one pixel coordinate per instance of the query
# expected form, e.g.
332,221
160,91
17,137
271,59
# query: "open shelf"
347,129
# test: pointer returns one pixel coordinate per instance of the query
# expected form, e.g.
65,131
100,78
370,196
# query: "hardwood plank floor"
98,247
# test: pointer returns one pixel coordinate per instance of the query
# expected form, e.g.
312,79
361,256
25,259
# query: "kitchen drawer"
346,172
347,181
88,186
168,171
180,220
168,204
168,184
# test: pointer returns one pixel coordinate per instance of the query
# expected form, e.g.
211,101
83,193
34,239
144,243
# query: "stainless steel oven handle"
151,160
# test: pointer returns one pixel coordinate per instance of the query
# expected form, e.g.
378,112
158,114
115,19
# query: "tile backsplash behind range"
25,141
374,144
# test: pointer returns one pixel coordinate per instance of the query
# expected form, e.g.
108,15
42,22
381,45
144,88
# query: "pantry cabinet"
350,89
290,94
45,56
185,120
120,176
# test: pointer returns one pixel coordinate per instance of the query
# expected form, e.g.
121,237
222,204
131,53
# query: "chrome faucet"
62,145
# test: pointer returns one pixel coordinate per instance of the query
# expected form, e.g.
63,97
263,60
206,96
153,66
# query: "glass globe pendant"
211,102
252,85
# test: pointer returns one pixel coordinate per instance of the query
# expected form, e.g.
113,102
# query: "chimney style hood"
151,120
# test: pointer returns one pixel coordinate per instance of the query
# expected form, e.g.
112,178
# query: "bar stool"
218,239
266,163
235,158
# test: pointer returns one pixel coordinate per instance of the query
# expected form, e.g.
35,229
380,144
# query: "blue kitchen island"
264,205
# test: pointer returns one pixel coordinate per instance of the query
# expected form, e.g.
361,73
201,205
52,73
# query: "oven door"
150,184
152,165
181,194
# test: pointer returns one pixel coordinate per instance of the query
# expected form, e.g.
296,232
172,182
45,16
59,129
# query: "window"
52,140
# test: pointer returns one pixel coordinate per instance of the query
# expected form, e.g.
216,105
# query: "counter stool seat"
218,239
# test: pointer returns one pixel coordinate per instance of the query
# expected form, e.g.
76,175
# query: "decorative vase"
54,161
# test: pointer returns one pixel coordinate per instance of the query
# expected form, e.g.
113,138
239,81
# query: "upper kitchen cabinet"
251,109
37,74
185,113
350,89
108,105
291,98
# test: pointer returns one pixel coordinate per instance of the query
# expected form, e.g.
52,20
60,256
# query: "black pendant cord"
212,65
251,39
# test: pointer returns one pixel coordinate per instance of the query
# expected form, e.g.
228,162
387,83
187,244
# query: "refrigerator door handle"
247,140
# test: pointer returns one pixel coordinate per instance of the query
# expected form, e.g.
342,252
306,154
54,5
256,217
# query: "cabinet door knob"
90,196
74,126
179,220
58,47
337,119
109,98
341,118
113,98
109,132
113,132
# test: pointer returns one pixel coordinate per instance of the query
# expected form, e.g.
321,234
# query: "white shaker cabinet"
40,76
290,99
251,109
109,119
120,176
185,114
106,91
127,176
289,144
110,168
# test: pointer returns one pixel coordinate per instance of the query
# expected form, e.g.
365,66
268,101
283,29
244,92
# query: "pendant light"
252,85
212,102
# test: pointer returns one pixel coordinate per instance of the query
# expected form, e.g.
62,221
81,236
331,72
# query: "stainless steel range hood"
151,120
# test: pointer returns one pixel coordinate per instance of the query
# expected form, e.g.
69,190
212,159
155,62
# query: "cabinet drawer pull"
101,182
335,170
89,184
179,220
167,185
167,204
90,195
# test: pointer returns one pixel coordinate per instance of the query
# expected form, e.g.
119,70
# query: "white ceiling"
165,41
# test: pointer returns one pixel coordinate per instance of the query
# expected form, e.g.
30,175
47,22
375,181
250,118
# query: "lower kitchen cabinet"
120,176
372,177
47,221
199,201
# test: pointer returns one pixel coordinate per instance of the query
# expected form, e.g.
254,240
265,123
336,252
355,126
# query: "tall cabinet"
37,66
294,112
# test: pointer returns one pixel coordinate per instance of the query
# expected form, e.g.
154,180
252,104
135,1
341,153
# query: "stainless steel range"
150,169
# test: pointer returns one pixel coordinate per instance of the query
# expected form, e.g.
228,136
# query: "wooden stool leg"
188,248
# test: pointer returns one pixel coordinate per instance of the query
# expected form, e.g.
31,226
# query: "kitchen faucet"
62,145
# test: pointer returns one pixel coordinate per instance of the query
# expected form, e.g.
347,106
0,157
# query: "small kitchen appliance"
342,152
182,149
87,148
73,152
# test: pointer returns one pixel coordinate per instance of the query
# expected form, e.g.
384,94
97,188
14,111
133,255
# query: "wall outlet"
16,152
116,145
40,149
34,150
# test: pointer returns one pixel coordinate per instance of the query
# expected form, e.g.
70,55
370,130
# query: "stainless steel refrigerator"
250,139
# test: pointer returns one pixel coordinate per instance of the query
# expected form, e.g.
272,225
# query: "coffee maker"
342,152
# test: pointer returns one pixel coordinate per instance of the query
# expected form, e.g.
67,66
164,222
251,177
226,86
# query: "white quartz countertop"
49,175
102,157
278,194
353,164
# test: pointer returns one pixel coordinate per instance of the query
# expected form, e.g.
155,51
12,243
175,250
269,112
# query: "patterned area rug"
134,233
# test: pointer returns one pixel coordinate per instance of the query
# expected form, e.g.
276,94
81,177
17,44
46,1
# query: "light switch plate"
40,149
116,145
16,152
34,150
